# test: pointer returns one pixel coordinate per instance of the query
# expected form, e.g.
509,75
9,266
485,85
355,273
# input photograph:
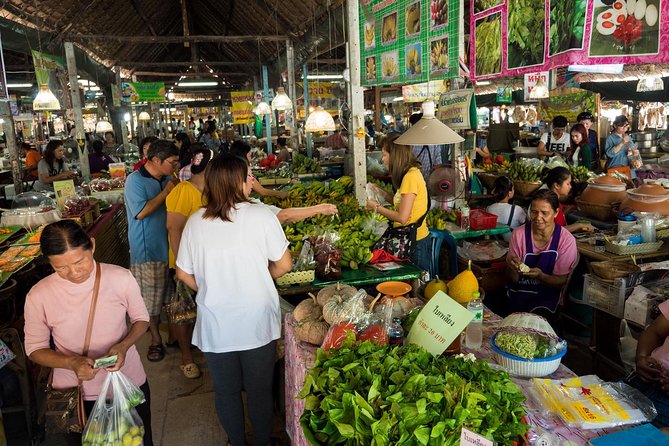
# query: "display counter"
589,252
300,357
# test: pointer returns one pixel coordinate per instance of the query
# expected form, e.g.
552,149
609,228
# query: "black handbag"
65,407
400,241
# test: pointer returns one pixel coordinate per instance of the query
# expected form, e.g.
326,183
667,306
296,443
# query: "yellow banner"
242,107
323,90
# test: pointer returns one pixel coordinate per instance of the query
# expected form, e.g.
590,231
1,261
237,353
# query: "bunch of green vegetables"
567,25
385,395
528,345
489,45
580,174
526,33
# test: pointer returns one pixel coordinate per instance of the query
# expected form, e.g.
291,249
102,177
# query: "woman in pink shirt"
58,307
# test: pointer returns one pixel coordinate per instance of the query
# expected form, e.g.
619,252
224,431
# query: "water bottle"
474,335
396,332
464,218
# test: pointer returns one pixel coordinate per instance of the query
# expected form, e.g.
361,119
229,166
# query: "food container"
610,270
601,212
647,198
526,368
604,190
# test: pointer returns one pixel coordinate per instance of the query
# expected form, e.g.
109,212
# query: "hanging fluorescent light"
103,126
482,83
144,116
45,99
281,101
197,84
650,82
429,130
539,91
263,109
319,121
19,85
324,76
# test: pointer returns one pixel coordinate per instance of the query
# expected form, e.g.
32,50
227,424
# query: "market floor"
182,409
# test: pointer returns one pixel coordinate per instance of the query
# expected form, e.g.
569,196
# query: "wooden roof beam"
152,40
139,63
184,20
188,74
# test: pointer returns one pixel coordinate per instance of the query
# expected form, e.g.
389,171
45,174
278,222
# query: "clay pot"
604,190
647,198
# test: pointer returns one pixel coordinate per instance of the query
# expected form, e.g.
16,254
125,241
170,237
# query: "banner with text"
514,37
567,105
323,90
144,92
242,107
457,109
530,81
423,92
406,41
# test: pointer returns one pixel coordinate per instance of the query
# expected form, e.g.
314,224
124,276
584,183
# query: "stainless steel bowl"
644,136
646,144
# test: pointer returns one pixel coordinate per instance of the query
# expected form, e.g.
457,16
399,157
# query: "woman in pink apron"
541,255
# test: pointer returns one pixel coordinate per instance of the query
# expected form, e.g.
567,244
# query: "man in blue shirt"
145,193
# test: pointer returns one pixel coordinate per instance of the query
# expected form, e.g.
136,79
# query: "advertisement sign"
409,40
567,105
530,81
504,95
143,92
323,90
242,107
456,109
438,324
422,92
515,37
63,189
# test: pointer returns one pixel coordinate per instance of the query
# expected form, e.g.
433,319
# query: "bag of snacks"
328,256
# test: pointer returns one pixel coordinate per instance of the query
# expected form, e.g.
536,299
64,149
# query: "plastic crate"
479,219
608,296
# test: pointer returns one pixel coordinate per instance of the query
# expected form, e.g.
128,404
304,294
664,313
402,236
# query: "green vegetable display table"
453,233
300,357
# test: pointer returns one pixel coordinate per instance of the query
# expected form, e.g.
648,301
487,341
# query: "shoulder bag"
65,407
400,241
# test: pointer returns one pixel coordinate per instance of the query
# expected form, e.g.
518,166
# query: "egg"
619,5
651,15
606,27
640,9
630,6
612,15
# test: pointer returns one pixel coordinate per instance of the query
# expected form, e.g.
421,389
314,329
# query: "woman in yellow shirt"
410,201
182,202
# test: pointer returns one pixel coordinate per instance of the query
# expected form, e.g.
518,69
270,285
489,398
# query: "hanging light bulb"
103,126
281,101
319,121
45,99
144,116
651,82
539,91
263,108
429,130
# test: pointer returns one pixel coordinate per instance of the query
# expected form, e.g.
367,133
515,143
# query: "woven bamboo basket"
610,270
601,212
488,180
526,188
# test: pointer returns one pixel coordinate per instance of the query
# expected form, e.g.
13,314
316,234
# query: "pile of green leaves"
526,33
567,25
373,395
489,45
484,5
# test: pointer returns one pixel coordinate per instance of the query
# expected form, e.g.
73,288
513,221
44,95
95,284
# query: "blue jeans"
659,398
422,256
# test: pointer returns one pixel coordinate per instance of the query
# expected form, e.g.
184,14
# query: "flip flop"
190,370
156,353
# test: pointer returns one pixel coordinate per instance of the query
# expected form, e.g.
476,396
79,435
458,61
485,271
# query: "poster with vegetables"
406,41
540,36
489,44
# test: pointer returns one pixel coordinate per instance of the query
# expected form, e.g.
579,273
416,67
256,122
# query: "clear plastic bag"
181,308
113,419
634,158
305,261
375,193
350,314
374,225
327,255
527,343
587,402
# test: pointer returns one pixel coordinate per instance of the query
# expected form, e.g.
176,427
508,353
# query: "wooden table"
587,250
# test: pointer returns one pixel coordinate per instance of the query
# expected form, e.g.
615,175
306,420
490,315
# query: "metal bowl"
644,136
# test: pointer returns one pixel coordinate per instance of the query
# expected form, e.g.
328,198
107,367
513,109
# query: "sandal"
191,370
156,353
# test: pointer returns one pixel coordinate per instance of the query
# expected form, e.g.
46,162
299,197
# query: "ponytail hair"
501,188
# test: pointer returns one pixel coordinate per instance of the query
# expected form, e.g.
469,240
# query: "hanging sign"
438,324
456,110
45,64
504,95
409,40
323,90
242,107
143,92
422,92
515,37
530,81
567,105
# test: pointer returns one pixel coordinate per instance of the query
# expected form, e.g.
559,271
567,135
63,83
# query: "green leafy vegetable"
405,396
489,45
567,25
526,33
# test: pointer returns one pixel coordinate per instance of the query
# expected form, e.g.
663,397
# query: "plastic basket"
526,368
606,296
296,278
626,250
479,219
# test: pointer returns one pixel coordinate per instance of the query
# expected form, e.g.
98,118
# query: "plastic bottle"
474,335
464,218
396,332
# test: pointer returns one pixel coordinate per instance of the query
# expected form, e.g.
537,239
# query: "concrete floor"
182,409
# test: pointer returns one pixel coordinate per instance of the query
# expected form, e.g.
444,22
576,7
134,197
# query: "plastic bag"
527,343
352,314
113,419
627,347
328,256
587,402
181,308
634,158
305,261
375,193
374,225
